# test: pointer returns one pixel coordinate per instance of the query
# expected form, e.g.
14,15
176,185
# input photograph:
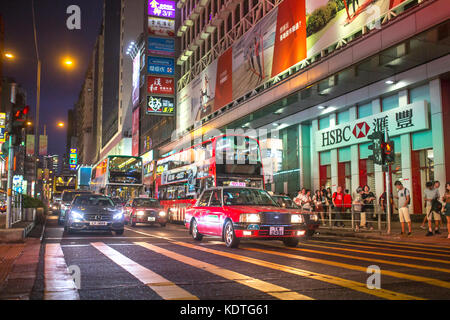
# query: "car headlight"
64,207
250,218
140,213
297,218
314,217
118,215
162,214
75,215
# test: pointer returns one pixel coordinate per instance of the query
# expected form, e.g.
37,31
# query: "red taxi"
146,211
236,213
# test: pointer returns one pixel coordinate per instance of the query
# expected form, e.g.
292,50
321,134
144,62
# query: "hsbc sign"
401,120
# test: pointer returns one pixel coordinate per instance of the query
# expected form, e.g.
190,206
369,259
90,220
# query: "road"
151,263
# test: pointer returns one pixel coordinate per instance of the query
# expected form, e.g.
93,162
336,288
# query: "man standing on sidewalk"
404,198
338,203
431,194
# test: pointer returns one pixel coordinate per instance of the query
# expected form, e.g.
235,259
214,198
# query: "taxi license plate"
276,231
98,223
151,218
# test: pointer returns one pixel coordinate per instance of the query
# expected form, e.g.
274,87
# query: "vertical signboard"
2,127
30,144
73,158
136,77
43,140
161,46
135,133
162,8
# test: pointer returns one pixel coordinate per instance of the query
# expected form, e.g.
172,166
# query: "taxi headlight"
297,218
313,217
162,214
250,218
140,213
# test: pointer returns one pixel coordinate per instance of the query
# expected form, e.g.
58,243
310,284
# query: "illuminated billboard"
163,66
73,158
135,133
161,27
162,106
161,46
160,85
136,77
162,8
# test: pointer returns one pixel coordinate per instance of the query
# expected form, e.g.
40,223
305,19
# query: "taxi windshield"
247,197
153,203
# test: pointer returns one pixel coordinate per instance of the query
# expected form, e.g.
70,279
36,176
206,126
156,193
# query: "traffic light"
377,138
388,152
18,122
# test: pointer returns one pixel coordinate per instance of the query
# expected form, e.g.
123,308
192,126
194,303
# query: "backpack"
436,205
409,200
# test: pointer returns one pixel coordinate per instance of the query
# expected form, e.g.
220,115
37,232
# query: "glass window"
389,103
344,154
365,110
204,200
216,199
247,197
419,94
324,123
325,158
422,140
343,116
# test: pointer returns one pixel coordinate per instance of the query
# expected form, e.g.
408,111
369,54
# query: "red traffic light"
25,110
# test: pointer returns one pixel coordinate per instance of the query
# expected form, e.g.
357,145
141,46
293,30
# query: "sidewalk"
418,234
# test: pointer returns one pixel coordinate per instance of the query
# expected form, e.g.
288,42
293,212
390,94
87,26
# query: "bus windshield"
125,170
237,149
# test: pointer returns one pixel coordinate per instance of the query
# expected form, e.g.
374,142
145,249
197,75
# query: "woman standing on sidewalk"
446,199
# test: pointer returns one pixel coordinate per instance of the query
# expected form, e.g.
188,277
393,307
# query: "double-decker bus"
61,183
227,160
118,176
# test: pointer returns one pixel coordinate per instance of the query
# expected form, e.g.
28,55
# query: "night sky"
59,86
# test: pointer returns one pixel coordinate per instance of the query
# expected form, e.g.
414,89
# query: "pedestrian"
300,197
436,184
446,200
329,196
307,201
404,198
357,208
382,202
338,204
318,201
430,196
347,201
369,206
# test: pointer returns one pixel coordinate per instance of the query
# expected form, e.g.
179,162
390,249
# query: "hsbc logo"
361,130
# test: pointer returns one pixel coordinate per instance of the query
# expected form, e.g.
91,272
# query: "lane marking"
164,288
375,253
94,238
414,266
260,285
350,284
404,249
431,281
413,244
58,283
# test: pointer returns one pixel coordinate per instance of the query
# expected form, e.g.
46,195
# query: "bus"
61,183
227,160
118,176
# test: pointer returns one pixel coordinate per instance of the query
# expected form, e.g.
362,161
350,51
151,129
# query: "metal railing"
16,208
370,217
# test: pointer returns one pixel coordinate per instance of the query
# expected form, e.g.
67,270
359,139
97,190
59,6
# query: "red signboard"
224,81
135,132
290,39
160,85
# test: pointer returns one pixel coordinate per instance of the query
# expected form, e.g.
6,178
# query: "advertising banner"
30,144
161,27
161,106
331,20
136,77
163,66
73,158
2,127
162,8
160,85
135,133
401,120
43,140
161,47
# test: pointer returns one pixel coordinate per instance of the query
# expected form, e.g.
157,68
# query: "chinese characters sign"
160,85
401,120
161,8
2,127
160,105
73,158
164,66
161,27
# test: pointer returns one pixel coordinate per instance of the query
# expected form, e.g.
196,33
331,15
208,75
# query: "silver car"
94,212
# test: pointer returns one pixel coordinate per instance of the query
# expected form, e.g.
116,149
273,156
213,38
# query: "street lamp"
9,55
61,124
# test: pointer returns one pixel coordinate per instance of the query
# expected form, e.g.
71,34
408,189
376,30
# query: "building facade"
313,89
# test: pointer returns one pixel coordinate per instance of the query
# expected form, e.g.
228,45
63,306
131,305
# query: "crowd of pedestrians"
363,206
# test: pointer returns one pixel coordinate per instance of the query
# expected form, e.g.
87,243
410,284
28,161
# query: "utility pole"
9,186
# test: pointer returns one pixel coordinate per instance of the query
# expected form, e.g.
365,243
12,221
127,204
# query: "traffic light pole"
388,190
9,186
